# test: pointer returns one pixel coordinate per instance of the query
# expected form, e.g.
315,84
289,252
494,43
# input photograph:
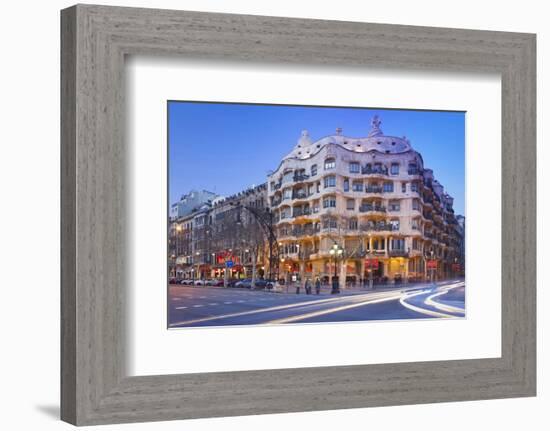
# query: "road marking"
213,303
197,306
440,306
228,302
180,308
241,301
421,310
332,310
280,307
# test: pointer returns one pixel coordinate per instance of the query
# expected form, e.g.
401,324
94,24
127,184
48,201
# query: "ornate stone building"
371,197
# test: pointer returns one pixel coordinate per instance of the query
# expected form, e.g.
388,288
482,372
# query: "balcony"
373,189
300,177
277,186
301,212
380,227
372,208
367,170
299,195
398,253
305,231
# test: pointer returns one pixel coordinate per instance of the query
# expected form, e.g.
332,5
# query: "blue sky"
228,147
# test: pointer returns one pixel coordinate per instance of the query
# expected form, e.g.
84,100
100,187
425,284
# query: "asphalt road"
210,306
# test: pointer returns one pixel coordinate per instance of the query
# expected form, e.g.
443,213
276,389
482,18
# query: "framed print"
284,215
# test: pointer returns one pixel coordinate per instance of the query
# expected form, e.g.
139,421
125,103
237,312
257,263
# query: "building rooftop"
374,141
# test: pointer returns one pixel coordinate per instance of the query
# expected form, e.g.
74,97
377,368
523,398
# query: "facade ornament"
375,127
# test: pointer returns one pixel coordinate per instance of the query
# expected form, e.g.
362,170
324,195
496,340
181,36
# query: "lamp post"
335,251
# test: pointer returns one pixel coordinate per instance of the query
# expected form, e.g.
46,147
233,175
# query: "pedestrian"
307,287
297,288
317,286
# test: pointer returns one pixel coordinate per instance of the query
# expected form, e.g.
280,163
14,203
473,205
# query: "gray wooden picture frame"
95,388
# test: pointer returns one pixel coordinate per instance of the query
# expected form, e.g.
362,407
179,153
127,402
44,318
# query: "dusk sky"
226,148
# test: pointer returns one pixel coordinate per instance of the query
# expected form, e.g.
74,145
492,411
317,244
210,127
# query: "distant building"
191,201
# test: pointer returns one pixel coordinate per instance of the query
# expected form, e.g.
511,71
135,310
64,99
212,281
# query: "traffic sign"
229,264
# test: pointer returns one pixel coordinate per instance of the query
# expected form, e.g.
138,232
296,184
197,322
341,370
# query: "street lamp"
335,251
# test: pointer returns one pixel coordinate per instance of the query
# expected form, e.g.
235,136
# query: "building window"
416,204
350,204
388,187
403,187
394,206
287,193
413,169
414,187
357,186
346,184
310,189
394,169
354,168
313,170
398,244
318,187
329,202
415,224
315,207
288,177
394,224
330,223
330,163
330,181
353,224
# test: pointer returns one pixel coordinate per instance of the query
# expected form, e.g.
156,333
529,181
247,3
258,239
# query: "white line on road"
180,308
197,306
404,303
228,302
334,310
354,298
213,303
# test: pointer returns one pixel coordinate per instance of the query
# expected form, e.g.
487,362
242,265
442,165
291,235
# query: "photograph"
314,214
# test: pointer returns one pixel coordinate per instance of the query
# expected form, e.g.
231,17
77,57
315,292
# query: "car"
264,284
232,282
246,283
199,283
172,280
185,281
218,282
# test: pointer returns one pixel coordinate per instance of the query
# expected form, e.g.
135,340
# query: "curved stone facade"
371,196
